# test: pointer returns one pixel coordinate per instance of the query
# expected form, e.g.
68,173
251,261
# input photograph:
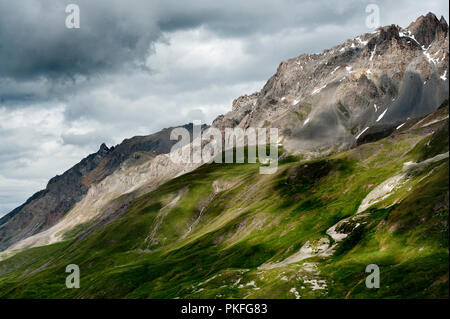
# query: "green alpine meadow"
328,179
250,239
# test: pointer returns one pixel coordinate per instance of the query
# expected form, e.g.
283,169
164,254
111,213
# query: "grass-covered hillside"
308,231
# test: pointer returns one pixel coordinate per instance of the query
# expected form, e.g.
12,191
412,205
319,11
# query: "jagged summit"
443,22
428,28
325,101
103,148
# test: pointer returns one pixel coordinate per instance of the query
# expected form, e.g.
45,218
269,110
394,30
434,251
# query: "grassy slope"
260,219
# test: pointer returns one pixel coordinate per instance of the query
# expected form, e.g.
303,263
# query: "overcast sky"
135,67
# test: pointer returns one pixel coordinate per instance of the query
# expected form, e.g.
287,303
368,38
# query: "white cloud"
197,50
31,151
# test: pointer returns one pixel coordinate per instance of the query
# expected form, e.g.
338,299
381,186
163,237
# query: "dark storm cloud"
240,18
34,40
117,36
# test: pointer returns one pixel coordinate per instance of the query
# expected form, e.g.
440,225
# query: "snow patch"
409,35
398,127
319,89
373,53
335,69
428,56
361,133
381,116
361,41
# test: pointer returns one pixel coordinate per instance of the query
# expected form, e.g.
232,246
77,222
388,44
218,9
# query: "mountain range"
362,179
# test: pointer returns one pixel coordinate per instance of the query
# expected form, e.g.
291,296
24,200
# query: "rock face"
241,108
45,208
328,101
428,28
354,92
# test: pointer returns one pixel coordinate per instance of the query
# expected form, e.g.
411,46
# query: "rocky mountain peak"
245,101
389,32
103,148
428,28
330,98
443,23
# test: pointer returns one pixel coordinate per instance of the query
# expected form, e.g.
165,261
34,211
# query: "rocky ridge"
327,101
320,102
47,207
